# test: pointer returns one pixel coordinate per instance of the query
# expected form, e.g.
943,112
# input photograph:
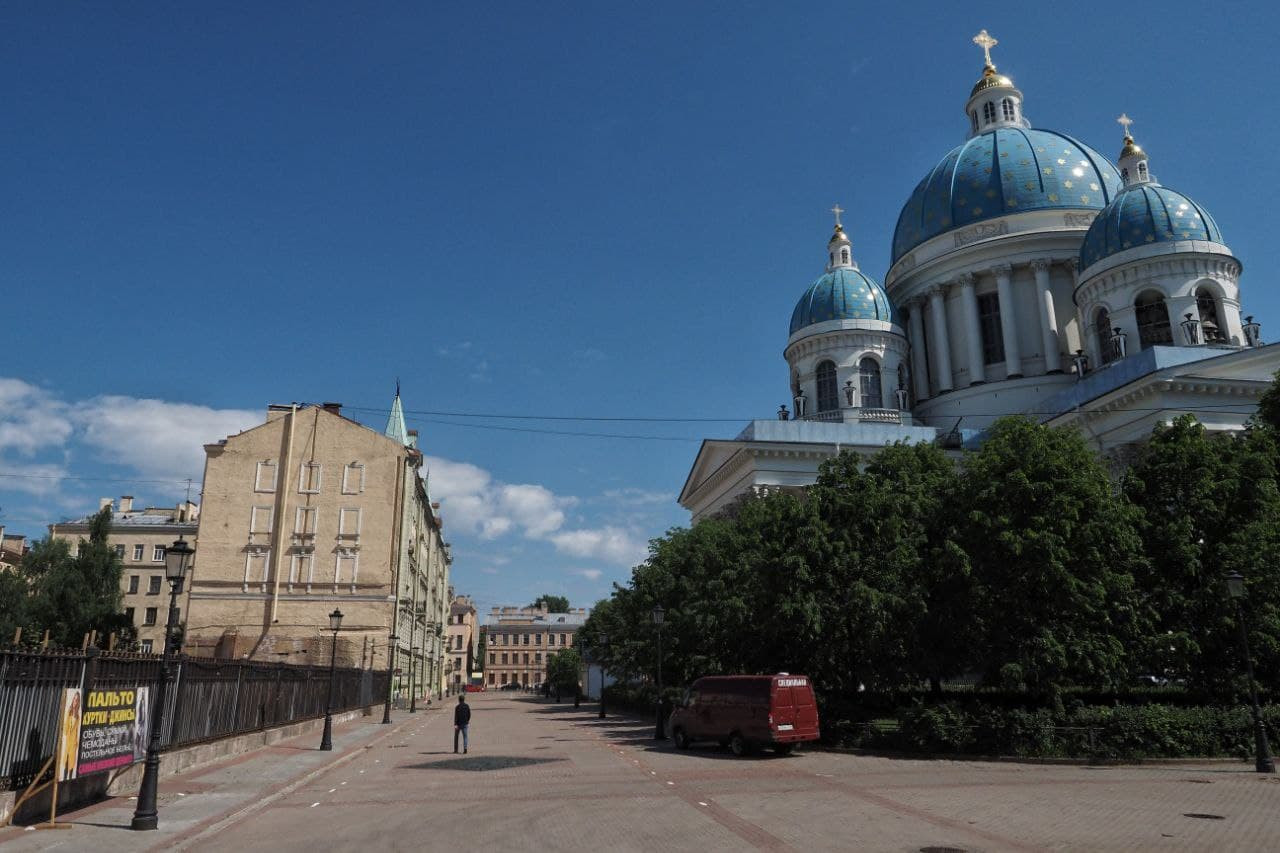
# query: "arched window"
832,256
1142,171
1207,307
988,112
1006,109
844,256
828,398
869,384
1124,175
1153,320
973,119
904,381
1102,329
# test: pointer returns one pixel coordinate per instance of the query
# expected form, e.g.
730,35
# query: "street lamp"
391,674
413,687
326,739
176,561
659,731
1262,750
603,642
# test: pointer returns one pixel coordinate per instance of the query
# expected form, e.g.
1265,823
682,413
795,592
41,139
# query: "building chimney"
126,503
332,408
104,503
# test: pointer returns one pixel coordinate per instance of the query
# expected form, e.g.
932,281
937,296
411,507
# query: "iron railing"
208,698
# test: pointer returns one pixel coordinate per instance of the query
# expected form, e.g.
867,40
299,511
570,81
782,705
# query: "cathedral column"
1008,321
941,341
972,329
1048,317
915,328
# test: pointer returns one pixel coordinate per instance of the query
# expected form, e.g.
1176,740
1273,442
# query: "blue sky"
597,210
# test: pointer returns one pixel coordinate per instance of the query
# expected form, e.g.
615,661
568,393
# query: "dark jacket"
461,714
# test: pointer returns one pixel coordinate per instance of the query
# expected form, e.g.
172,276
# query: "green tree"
553,603
564,670
481,657
1267,415
14,606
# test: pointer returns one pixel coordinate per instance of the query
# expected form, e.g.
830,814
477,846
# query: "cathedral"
1029,275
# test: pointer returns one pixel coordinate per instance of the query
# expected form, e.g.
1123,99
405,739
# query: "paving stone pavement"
547,776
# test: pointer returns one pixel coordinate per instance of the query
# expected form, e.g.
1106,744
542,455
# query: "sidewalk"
197,804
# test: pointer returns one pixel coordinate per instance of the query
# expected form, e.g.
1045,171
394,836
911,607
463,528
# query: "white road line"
331,790
701,803
671,783
313,805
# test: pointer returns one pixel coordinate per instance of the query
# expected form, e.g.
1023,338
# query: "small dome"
991,79
1143,214
1004,171
841,294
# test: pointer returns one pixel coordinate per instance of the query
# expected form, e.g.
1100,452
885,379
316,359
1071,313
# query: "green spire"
395,424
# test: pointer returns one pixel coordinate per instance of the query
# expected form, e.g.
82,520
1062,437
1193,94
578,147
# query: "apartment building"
140,538
310,512
520,639
13,546
460,641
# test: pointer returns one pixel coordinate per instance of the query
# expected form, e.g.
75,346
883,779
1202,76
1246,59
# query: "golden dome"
1130,148
838,236
991,79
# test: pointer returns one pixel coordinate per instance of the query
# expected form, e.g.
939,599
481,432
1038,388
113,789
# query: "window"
869,384
504,658
551,639
304,522
133,584
150,618
137,553
260,520
828,398
153,585
349,522
537,639
256,564
1006,109
1207,307
989,324
506,639
988,112
526,639
145,645
346,567
492,658
491,677
1124,175
309,478
264,479
504,678
302,568
973,120
563,642
353,479
1142,171
904,383
1102,332
128,614
119,549
157,553
537,658
844,256
1153,320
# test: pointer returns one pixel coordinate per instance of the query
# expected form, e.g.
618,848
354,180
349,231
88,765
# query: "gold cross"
837,210
986,42
1125,121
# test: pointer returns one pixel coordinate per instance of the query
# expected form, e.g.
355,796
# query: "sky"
576,214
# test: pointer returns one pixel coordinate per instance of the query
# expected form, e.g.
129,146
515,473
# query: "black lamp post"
326,739
1262,750
603,643
659,730
145,816
391,675
413,675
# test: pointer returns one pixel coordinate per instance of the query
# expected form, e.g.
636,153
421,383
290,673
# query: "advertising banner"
68,734
112,729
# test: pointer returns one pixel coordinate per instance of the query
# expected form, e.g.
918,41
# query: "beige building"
519,640
460,642
13,546
140,538
311,512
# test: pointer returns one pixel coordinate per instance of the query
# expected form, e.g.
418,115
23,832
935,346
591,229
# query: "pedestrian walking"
461,722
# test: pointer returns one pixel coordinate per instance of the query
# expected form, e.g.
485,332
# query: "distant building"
521,638
460,639
13,546
310,512
140,538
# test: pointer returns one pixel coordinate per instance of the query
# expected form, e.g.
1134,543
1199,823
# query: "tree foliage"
564,670
553,603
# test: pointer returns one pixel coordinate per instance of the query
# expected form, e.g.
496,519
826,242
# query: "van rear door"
793,708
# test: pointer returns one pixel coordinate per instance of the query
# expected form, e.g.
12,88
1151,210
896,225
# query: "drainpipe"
277,555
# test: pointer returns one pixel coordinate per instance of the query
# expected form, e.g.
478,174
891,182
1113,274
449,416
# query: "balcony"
852,415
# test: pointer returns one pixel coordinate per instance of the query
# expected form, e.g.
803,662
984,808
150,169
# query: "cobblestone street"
546,776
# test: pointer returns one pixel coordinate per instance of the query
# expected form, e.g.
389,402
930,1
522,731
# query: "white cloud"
155,437
610,543
638,497
31,418
589,574
476,503
38,479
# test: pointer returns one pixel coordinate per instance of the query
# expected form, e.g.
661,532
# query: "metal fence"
206,700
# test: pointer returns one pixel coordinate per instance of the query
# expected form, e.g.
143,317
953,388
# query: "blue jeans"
463,730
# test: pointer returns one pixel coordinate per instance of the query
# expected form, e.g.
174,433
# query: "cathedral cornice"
1142,271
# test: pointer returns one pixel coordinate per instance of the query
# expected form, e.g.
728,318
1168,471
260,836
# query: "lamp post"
659,730
145,816
413,686
326,739
603,642
1262,750
391,675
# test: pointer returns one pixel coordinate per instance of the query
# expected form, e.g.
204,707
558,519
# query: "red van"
747,711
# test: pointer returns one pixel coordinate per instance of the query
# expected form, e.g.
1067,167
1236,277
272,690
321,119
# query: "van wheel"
738,745
783,748
682,739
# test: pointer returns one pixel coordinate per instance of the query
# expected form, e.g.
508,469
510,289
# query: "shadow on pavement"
481,763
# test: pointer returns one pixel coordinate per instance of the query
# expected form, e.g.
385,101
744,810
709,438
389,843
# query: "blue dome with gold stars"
1003,171
1143,214
842,294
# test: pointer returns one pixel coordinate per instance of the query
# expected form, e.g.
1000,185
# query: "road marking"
313,805
701,803
331,790
671,783
653,772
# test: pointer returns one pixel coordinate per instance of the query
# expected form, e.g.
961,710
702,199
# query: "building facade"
13,547
518,641
311,512
1029,275
140,538
460,642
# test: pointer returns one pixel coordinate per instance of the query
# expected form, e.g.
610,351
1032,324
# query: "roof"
1144,214
842,294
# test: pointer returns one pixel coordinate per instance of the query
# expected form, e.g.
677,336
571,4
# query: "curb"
1020,759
